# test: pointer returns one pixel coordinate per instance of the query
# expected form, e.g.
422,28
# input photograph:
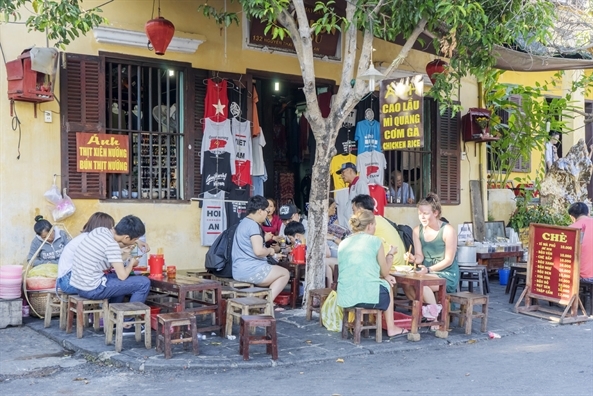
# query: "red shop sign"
102,153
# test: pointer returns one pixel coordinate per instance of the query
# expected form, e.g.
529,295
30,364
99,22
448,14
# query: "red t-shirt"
585,223
216,105
274,228
242,174
378,193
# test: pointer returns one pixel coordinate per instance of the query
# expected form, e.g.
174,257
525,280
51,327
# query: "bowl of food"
40,283
403,269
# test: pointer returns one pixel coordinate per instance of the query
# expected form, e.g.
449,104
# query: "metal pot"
466,254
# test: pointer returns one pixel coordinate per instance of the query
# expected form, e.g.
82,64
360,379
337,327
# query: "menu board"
553,274
554,262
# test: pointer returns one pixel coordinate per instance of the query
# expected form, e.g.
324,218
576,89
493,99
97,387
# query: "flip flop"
278,309
399,335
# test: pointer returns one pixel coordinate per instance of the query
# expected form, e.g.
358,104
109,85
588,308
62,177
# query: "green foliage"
527,213
530,117
64,20
221,17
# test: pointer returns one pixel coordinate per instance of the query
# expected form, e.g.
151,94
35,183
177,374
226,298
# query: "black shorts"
383,303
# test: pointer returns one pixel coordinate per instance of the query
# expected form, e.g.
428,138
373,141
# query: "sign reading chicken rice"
400,107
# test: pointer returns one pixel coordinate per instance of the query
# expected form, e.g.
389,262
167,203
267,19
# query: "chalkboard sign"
553,273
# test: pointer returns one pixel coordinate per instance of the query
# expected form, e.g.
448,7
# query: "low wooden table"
296,272
418,282
178,289
495,260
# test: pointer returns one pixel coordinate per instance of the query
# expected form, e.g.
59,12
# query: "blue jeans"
64,284
115,290
258,185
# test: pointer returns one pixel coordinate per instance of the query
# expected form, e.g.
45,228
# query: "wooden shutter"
447,157
196,96
82,90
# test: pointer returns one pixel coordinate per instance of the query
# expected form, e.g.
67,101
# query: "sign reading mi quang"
401,106
102,153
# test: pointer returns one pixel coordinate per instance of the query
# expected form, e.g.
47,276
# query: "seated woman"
52,248
579,212
435,247
364,279
272,223
249,251
96,220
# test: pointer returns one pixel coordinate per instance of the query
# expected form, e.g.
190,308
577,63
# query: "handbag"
332,313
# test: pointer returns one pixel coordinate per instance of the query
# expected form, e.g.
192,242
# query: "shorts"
384,301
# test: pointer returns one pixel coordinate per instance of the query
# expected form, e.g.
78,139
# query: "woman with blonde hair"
364,279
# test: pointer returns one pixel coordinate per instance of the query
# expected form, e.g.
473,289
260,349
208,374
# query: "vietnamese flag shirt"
218,140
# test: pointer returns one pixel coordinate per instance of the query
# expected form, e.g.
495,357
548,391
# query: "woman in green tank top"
435,247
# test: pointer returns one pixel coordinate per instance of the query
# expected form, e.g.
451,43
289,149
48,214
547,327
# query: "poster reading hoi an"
400,107
102,153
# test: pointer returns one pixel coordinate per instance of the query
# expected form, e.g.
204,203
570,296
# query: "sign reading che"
102,153
400,110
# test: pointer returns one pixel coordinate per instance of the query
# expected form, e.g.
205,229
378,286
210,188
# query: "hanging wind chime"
160,32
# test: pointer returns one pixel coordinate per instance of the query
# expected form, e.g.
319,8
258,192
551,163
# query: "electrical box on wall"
26,82
475,126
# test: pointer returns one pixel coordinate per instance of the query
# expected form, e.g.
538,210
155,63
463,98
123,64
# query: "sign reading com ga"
102,153
401,107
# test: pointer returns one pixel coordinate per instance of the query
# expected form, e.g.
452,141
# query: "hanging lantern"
435,67
160,32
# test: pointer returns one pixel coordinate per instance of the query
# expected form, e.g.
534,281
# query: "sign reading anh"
400,109
102,153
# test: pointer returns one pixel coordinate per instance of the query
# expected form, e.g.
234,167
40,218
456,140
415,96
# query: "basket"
38,303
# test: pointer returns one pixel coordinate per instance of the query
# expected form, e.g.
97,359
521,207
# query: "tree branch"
407,47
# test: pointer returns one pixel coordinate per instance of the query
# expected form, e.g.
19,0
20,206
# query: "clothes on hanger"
344,206
378,193
236,205
213,221
218,139
368,136
216,105
243,153
335,165
216,171
255,127
371,167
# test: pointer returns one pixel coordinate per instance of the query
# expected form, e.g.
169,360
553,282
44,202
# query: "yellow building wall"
174,227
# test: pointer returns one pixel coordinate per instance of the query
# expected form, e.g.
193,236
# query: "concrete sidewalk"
299,341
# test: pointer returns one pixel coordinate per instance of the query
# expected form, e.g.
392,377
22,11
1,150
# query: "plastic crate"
400,319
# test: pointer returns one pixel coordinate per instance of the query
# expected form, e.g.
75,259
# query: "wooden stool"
60,301
169,323
269,339
513,269
466,312
259,292
475,274
236,307
321,294
81,307
361,324
586,289
116,316
233,283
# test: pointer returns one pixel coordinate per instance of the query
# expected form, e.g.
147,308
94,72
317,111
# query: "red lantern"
434,67
160,32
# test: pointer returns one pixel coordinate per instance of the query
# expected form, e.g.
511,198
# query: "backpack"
219,260
405,233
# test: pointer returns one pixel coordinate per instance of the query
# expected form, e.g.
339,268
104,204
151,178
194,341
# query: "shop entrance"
290,146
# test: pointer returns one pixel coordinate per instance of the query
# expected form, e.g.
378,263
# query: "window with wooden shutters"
83,110
446,157
195,131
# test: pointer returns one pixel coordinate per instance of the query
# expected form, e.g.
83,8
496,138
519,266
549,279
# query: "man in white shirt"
101,251
357,186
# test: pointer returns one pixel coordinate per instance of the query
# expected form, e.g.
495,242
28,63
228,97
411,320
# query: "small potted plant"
483,122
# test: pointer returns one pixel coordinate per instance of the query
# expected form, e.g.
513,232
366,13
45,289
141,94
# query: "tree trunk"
318,204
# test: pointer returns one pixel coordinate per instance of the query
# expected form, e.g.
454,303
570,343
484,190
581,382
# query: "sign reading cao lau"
102,153
400,107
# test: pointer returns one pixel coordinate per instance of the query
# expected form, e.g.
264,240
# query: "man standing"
101,251
357,186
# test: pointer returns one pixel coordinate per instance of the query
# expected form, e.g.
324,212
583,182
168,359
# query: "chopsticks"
409,252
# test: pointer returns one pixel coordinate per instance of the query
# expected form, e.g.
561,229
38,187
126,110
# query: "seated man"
400,191
383,230
101,251
295,231
288,213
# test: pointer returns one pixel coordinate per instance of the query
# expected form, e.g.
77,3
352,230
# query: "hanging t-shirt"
236,205
345,142
218,140
243,153
371,167
237,97
255,129
336,164
368,136
378,193
216,105
216,171
258,167
213,221
344,206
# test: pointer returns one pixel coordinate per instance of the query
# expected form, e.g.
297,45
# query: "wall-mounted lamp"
171,73
276,86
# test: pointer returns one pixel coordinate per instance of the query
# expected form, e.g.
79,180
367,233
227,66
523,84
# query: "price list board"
552,272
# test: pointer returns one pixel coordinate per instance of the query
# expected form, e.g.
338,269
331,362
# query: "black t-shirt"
216,172
236,210
345,142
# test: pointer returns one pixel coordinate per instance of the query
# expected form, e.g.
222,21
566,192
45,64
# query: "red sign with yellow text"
102,153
